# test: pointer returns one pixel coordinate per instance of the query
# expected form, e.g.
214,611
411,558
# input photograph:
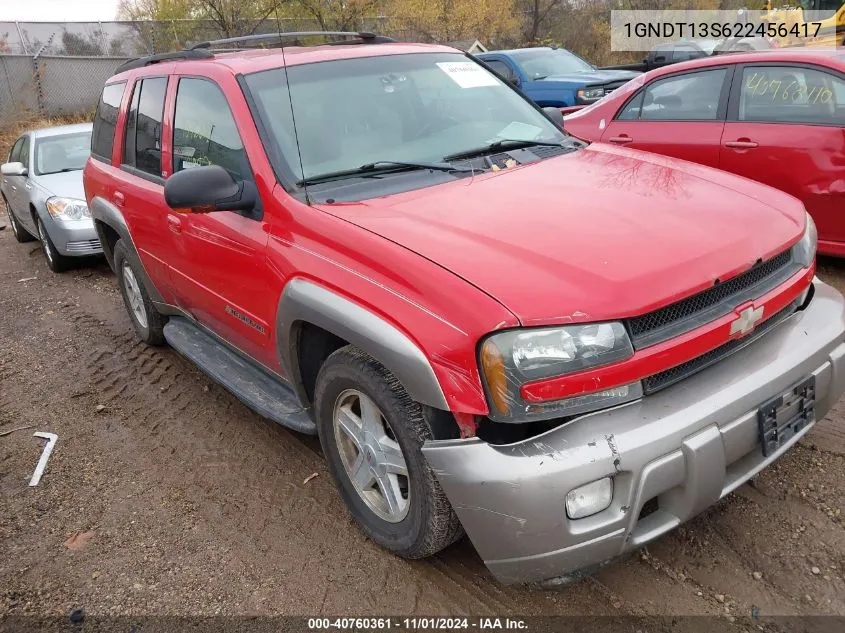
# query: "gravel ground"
165,495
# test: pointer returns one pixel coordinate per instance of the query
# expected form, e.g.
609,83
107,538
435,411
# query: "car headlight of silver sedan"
67,208
511,359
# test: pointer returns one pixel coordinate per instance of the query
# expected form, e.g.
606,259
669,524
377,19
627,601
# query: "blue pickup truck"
554,76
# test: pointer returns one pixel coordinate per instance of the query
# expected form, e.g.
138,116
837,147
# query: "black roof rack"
203,50
140,62
353,38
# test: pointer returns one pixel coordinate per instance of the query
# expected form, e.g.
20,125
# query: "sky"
57,10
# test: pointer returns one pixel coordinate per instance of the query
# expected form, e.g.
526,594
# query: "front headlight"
68,208
590,94
805,250
511,359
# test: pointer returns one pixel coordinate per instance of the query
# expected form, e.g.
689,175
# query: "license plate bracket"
783,416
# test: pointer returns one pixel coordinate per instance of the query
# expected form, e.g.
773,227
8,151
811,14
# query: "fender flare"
104,212
305,301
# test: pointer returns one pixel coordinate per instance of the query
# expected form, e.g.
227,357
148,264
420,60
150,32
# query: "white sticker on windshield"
468,74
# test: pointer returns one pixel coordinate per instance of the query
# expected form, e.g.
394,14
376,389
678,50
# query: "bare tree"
537,12
238,17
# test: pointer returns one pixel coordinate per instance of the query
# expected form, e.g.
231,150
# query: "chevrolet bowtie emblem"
746,320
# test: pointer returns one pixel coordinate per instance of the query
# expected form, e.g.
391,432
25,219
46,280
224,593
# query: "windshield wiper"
379,167
63,170
495,146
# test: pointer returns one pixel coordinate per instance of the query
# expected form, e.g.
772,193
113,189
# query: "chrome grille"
692,312
85,246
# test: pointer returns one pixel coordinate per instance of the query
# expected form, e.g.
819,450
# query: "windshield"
544,62
68,152
416,108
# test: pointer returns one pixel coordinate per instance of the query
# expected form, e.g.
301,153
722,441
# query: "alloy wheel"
12,222
45,242
133,295
371,456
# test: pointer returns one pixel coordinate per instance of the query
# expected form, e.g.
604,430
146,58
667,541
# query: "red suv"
564,350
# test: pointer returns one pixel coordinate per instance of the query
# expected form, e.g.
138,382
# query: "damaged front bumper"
683,448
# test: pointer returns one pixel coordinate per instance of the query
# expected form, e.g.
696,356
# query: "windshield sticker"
468,74
520,131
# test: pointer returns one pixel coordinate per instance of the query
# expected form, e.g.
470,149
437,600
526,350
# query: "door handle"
27,186
174,223
622,139
742,143
119,199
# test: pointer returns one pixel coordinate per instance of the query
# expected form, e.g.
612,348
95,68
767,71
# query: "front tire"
372,434
55,260
147,321
20,233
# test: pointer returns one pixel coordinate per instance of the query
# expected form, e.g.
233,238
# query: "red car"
777,117
565,351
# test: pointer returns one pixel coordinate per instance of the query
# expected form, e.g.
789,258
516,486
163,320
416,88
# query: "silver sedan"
42,189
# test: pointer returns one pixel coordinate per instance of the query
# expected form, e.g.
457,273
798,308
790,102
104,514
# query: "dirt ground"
165,495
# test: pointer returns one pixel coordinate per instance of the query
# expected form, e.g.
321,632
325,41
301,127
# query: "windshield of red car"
414,108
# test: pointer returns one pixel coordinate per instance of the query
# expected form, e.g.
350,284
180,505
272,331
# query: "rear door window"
105,120
204,131
791,94
631,111
142,144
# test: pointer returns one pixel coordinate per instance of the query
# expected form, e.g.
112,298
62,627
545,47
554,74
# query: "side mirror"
207,188
514,81
555,115
13,169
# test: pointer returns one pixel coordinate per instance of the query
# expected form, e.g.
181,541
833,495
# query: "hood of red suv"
601,233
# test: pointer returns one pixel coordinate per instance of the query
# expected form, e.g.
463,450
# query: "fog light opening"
589,499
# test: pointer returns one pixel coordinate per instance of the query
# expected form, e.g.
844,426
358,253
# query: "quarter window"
142,144
204,131
25,152
15,154
688,97
105,120
791,94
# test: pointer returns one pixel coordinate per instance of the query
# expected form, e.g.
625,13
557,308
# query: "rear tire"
407,514
56,262
20,233
147,321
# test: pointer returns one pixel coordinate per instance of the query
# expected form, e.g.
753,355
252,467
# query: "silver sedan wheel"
371,456
45,242
133,295
12,222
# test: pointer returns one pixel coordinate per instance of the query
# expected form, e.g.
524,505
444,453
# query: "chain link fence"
53,69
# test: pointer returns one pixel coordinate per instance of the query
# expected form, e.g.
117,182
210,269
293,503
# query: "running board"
256,388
